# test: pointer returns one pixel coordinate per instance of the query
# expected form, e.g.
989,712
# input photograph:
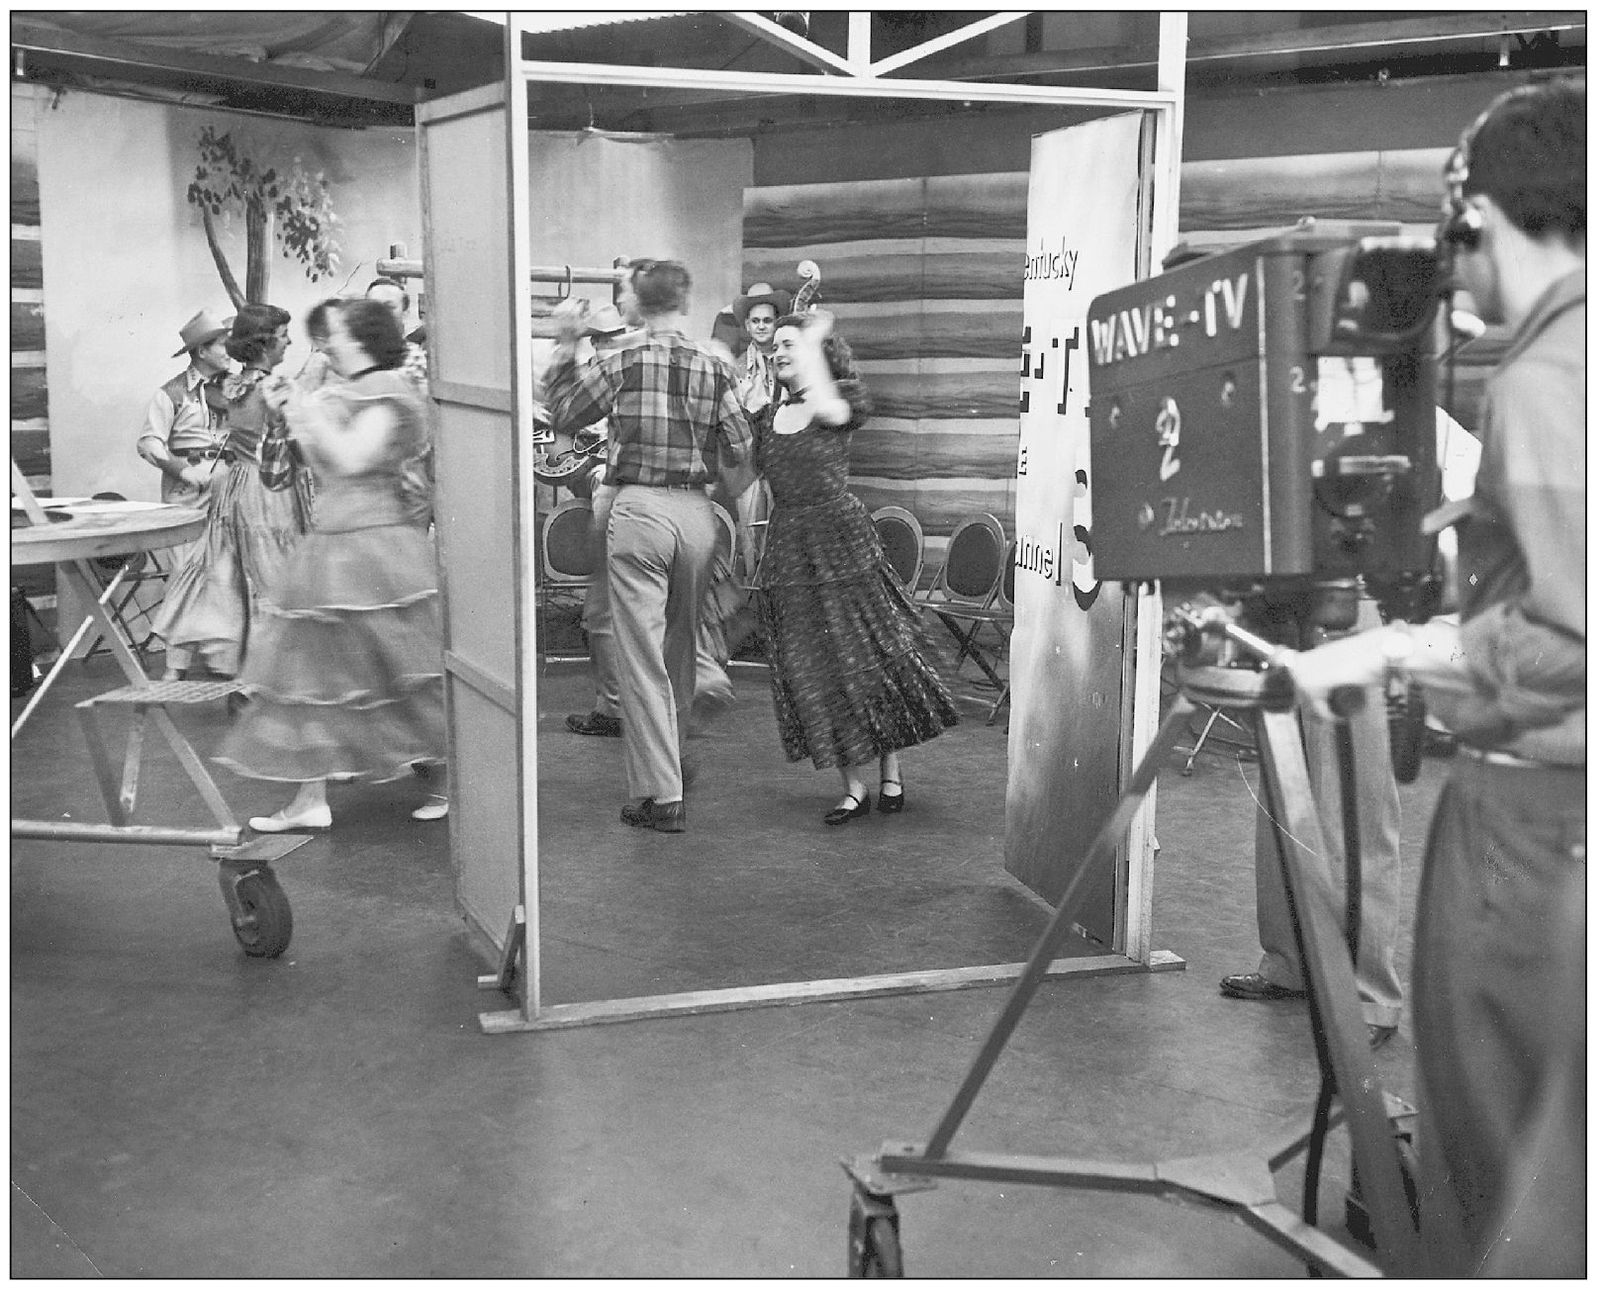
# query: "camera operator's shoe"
1252,986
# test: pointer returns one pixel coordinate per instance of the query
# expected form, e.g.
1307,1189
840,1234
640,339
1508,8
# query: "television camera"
1263,426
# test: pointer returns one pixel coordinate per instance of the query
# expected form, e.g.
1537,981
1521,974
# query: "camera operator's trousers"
1498,999
1377,800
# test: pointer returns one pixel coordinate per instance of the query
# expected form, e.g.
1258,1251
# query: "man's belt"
198,455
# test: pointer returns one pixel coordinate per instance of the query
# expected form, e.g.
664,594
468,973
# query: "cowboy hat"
199,330
761,293
605,320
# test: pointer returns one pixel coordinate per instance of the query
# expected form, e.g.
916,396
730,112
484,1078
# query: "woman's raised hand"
818,324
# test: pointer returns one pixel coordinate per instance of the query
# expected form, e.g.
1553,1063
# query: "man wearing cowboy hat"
185,431
756,311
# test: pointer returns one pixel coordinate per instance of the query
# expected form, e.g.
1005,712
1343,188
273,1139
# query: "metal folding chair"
904,542
965,593
133,608
567,559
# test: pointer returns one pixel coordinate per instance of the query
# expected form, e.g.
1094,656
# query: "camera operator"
1497,982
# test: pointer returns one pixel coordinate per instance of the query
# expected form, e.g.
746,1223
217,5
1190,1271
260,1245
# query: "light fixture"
794,22
1505,51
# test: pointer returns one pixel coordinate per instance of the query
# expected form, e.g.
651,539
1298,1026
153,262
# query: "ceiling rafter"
811,52
939,43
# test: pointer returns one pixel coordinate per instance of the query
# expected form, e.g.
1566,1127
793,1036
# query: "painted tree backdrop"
280,201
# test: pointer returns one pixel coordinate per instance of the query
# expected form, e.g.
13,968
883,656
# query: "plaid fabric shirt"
671,406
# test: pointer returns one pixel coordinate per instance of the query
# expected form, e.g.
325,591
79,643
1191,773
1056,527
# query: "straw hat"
761,293
199,330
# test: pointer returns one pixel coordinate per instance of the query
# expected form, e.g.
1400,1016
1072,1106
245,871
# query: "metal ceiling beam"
1381,36
107,57
936,45
859,38
811,52
865,87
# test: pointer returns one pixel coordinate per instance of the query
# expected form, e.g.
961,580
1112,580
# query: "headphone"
1463,224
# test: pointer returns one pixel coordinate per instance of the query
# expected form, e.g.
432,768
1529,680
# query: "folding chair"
968,583
904,542
997,617
132,610
567,558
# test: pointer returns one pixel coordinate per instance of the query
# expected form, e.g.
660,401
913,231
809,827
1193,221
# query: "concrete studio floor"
181,1110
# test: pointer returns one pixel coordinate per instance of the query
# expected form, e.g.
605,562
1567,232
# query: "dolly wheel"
263,925
883,1257
873,1249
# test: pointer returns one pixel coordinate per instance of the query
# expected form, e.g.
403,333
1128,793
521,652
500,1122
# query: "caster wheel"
873,1247
263,925
883,1257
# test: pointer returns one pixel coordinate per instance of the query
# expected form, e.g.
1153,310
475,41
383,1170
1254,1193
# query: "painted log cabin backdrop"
30,404
925,278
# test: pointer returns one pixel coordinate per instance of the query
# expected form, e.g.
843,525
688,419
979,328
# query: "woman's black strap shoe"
838,814
890,803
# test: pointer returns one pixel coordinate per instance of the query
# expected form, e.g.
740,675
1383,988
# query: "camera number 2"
1168,429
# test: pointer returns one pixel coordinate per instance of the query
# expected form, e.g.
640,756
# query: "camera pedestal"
1238,1183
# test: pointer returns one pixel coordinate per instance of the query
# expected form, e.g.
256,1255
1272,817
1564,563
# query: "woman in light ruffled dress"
345,674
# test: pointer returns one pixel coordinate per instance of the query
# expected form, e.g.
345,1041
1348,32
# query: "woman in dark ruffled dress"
851,679
213,601
344,672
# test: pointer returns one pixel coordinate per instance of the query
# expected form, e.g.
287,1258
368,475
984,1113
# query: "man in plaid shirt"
677,429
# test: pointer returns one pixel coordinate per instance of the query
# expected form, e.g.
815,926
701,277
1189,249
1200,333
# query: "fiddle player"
185,434
183,431
1497,986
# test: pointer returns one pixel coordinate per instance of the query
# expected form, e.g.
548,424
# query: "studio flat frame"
492,680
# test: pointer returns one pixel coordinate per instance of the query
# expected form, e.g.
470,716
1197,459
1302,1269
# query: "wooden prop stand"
858,75
1238,1182
258,909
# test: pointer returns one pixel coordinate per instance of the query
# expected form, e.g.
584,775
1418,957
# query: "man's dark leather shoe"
1252,986
594,723
664,817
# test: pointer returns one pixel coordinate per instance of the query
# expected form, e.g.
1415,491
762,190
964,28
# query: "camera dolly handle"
1278,692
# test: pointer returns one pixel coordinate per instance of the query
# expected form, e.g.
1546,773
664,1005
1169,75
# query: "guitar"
590,447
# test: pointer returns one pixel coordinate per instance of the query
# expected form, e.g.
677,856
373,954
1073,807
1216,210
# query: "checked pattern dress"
849,664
